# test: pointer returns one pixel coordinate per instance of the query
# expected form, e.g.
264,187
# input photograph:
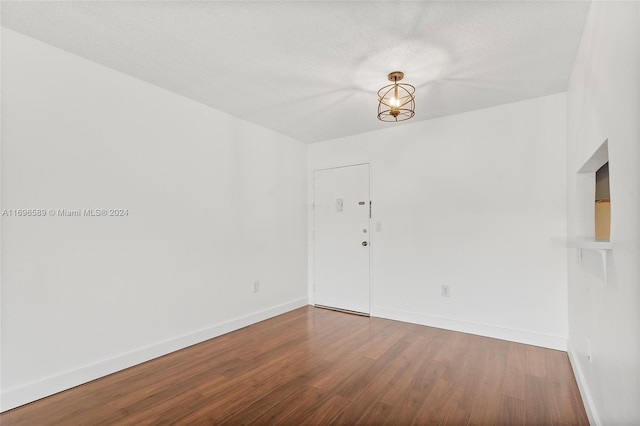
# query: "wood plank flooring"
315,366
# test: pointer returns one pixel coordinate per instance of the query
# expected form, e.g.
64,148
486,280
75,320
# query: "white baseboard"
587,401
30,392
512,335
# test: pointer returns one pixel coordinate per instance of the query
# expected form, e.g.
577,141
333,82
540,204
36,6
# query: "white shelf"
600,246
588,243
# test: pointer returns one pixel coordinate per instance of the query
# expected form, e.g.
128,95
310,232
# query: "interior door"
341,218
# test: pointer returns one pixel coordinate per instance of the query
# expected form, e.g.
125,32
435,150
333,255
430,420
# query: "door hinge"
369,209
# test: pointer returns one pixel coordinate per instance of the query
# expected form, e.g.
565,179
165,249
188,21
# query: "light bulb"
395,101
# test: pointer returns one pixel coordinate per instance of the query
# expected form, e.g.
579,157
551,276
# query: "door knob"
364,243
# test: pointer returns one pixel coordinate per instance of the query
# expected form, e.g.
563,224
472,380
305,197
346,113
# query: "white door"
341,216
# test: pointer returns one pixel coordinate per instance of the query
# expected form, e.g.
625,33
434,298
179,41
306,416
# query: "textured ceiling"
311,70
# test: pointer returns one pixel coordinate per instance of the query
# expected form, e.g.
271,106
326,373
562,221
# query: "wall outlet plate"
445,290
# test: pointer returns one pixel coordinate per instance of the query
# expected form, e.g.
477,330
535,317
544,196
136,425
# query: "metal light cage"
396,101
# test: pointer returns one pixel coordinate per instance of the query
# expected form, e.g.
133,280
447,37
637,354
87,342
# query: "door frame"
312,228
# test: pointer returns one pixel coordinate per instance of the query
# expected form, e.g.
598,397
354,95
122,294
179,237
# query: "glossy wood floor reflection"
315,366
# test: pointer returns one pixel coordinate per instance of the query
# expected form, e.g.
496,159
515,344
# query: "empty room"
320,212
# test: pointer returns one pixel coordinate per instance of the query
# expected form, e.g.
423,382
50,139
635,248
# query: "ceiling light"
396,101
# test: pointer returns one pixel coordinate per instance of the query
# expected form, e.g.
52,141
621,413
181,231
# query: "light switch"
339,204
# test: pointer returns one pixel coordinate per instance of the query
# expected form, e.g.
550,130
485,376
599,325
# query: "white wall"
603,99
214,204
473,201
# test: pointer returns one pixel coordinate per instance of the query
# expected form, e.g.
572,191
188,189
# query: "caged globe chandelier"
396,101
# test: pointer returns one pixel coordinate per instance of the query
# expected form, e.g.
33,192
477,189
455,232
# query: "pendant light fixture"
396,101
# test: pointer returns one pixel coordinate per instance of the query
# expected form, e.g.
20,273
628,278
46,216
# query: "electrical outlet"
589,357
445,290
256,286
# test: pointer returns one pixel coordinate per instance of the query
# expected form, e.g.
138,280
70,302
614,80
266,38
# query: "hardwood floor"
315,366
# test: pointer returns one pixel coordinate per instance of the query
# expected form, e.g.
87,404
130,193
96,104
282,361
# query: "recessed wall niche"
594,201
602,204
